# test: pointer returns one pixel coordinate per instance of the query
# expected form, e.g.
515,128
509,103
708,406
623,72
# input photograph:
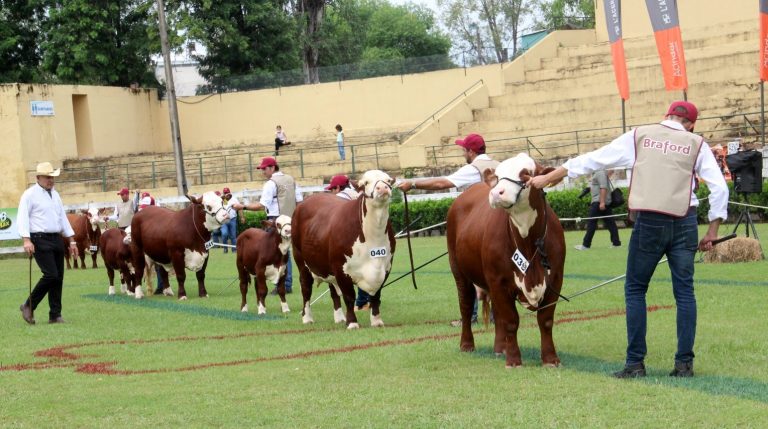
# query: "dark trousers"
278,144
608,222
49,255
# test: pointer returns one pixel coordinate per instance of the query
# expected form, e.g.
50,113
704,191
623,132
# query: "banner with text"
8,229
669,42
763,40
613,23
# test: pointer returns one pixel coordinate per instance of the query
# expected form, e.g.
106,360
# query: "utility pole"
181,178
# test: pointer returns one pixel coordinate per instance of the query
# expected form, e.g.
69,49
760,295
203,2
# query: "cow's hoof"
467,347
129,293
244,309
204,296
139,294
262,309
168,291
183,298
376,321
550,365
123,289
284,307
111,290
513,366
338,316
307,320
353,325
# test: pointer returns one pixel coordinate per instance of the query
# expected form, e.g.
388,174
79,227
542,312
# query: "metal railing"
440,109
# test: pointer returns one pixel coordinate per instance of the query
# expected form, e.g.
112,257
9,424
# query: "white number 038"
520,262
378,252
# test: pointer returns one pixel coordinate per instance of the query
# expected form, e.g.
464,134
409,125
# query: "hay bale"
739,249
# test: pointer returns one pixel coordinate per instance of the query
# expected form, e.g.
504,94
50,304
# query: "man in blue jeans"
664,158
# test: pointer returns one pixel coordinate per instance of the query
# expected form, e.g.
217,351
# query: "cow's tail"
486,310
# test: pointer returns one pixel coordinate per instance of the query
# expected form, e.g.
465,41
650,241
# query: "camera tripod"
746,217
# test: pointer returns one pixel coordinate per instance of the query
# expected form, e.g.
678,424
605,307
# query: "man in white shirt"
663,158
124,210
42,222
473,147
279,196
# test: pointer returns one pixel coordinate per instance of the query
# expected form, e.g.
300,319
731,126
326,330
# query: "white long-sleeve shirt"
621,153
41,212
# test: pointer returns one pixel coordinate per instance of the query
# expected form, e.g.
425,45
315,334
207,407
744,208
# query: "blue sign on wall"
41,108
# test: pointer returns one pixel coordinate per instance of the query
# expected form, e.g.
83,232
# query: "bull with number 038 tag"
520,262
209,245
379,252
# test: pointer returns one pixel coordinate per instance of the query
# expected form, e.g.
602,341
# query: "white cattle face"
215,212
376,185
510,187
95,219
283,225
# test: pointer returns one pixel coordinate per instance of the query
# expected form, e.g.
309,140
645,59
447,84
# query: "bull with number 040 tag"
520,262
379,252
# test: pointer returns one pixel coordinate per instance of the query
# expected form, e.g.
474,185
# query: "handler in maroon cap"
477,162
124,210
664,158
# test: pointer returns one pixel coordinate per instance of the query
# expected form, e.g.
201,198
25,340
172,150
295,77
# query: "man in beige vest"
279,196
664,159
124,210
473,147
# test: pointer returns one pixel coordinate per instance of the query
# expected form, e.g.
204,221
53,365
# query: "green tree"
101,42
19,38
565,14
485,29
242,39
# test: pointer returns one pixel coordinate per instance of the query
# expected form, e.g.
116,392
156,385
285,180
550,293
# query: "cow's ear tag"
209,245
520,262
94,249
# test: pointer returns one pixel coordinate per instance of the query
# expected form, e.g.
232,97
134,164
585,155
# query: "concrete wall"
693,13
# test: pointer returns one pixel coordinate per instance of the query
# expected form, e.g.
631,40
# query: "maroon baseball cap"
338,180
145,194
124,191
683,109
473,142
225,191
267,162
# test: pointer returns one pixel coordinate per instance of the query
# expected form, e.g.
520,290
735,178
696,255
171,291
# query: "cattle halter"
519,183
374,187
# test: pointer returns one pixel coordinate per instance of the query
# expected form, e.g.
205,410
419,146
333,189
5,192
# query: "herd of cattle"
502,237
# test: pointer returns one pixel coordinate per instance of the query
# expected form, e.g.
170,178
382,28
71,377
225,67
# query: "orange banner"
669,43
620,68
763,46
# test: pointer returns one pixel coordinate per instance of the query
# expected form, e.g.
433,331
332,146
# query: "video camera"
746,168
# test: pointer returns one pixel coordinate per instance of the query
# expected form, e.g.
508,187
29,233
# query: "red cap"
473,142
144,194
338,180
218,193
124,191
225,191
684,109
267,162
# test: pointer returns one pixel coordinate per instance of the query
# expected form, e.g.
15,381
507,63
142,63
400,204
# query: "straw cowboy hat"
46,169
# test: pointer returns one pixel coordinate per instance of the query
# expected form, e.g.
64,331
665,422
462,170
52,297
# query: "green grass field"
119,362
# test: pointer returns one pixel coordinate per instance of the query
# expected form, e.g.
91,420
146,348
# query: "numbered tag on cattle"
520,262
209,245
94,249
379,252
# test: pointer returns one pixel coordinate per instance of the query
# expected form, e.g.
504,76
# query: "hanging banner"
763,40
613,23
669,42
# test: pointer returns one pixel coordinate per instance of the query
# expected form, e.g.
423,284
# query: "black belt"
44,235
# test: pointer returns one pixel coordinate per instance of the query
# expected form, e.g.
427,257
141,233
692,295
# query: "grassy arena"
201,363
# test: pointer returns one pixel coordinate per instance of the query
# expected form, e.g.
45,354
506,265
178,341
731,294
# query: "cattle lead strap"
408,237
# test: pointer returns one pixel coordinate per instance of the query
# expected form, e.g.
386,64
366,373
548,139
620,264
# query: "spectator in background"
146,200
228,229
340,141
600,187
280,139
340,187
124,210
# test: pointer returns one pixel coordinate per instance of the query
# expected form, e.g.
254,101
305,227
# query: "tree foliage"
102,42
484,30
565,14
19,39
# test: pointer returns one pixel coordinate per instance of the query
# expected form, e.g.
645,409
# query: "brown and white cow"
514,248
345,243
117,257
176,239
149,270
264,254
87,226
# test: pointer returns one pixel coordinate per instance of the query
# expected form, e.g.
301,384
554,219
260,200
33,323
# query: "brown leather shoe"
57,320
26,313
